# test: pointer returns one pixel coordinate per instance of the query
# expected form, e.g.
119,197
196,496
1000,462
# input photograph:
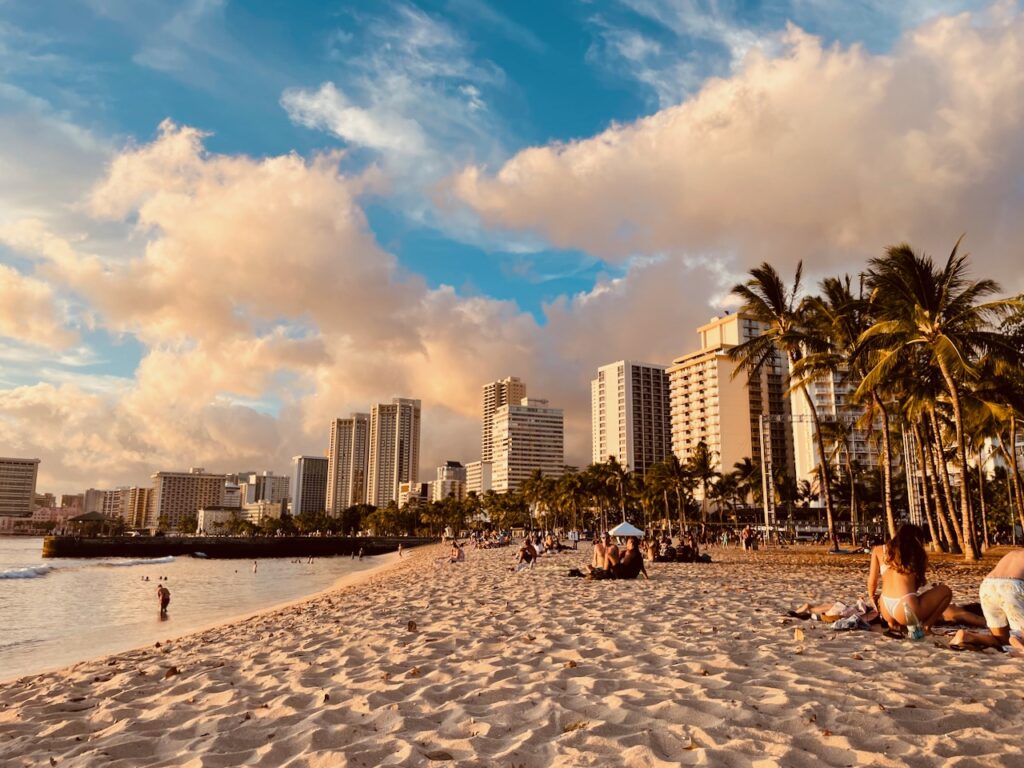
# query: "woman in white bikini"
899,567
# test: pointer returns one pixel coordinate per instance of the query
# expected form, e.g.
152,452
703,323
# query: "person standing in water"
255,565
163,596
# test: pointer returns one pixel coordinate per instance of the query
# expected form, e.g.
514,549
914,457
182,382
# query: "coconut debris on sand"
469,664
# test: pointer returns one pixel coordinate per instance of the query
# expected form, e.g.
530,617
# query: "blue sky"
411,94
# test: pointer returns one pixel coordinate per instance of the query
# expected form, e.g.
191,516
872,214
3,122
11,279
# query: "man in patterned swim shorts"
1002,602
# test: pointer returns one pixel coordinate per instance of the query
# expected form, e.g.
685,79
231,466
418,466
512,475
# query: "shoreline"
470,664
386,561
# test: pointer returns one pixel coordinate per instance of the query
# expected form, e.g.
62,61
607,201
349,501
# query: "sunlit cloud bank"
264,305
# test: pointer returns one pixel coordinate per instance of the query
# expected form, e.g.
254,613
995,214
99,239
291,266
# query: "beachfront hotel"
309,484
450,482
394,454
710,405
347,462
17,486
631,414
511,389
478,477
177,495
526,436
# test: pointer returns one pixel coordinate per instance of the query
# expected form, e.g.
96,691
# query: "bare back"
1010,567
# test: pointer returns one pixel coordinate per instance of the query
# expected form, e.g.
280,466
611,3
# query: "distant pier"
224,547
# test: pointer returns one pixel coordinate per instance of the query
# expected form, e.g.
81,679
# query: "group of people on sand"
899,593
611,562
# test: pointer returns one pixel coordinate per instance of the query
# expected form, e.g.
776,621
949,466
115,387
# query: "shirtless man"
163,596
1002,602
603,550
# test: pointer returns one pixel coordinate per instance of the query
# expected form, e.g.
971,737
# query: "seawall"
223,547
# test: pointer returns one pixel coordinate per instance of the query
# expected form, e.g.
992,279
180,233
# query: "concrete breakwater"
225,547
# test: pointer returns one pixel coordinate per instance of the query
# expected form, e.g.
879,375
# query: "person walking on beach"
163,596
1002,601
399,549
255,565
360,553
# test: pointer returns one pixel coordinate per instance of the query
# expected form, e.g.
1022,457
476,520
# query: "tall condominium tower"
711,405
630,414
394,449
177,495
832,400
450,482
526,436
309,484
347,457
511,389
17,486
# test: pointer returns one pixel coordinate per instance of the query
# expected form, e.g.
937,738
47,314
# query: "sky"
223,224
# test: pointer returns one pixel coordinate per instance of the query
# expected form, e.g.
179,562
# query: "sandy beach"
428,663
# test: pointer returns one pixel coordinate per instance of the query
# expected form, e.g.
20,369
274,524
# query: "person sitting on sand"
458,554
628,565
900,566
163,596
833,610
527,555
601,549
1002,602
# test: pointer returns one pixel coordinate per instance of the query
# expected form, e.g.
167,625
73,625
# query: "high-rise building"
526,436
17,486
832,400
711,405
265,486
72,501
394,449
450,482
630,414
177,495
92,501
347,460
136,506
309,484
478,477
511,389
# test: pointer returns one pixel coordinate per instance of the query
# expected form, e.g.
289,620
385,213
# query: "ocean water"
56,612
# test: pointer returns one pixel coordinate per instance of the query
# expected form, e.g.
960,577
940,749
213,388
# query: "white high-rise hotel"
347,462
525,437
630,414
394,449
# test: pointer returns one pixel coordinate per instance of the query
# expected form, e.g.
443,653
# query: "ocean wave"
140,561
29,572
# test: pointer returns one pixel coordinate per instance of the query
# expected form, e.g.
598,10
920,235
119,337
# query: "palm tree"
701,465
677,478
748,478
939,310
618,477
839,319
783,317
571,492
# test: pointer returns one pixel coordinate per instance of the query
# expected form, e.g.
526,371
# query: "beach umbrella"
625,529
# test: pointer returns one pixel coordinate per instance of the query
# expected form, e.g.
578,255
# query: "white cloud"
825,154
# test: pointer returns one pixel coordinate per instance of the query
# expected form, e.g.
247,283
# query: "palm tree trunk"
941,497
826,485
853,498
984,510
942,472
966,510
1015,483
1014,469
886,461
927,495
682,510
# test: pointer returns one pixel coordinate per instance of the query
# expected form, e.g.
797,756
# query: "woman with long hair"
898,567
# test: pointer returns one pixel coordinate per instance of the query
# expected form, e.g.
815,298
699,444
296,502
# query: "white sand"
536,669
